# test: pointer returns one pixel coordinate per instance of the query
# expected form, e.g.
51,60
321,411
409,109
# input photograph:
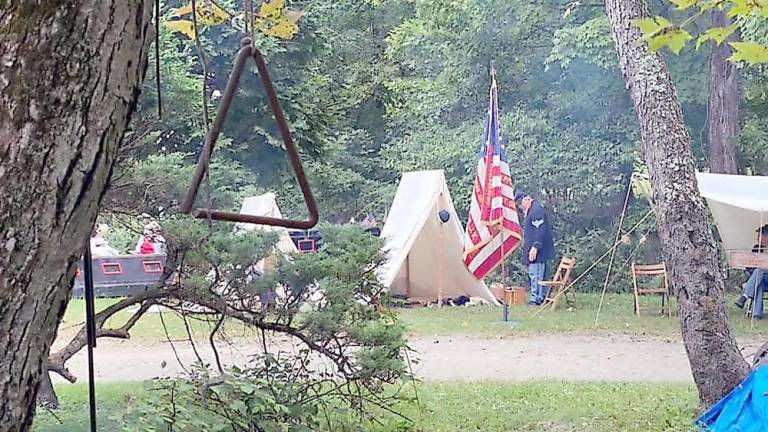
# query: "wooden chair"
560,281
651,271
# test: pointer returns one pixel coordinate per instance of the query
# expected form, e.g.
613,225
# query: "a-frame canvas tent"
739,205
266,205
423,253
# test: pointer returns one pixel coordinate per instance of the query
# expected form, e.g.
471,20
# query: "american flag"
493,202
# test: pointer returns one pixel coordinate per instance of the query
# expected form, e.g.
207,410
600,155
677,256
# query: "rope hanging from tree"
594,264
613,252
632,180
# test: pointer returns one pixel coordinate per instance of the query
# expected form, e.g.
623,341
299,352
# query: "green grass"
555,406
150,327
616,317
448,407
72,414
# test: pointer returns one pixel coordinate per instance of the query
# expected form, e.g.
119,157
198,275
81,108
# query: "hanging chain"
157,61
249,19
206,119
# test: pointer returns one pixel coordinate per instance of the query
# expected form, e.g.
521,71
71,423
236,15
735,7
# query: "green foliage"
589,42
156,184
268,396
717,34
750,52
345,270
454,407
660,32
362,345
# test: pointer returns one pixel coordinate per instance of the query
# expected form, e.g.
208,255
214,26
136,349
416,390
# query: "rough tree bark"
724,93
687,243
70,74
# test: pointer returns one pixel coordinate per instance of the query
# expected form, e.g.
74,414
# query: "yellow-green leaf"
740,8
663,21
750,52
707,5
641,187
678,39
271,8
208,14
671,37
181,11
284,29
647,25
683,4
182,26
717,34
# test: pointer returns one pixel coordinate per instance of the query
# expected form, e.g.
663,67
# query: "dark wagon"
122,275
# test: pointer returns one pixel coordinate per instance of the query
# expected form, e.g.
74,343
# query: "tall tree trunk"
687,243
70,75
724,95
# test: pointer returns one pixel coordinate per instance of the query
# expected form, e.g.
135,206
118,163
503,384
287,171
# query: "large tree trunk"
70,74
724,95
687,243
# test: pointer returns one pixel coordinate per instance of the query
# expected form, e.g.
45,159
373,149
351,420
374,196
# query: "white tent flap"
422,252
266,205
739,204
746,192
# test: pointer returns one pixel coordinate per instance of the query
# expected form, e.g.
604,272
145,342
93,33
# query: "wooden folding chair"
662,289
560,281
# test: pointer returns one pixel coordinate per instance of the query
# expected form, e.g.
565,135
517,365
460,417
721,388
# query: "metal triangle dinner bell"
246,52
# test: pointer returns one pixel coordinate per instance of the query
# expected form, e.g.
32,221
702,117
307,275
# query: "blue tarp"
744,409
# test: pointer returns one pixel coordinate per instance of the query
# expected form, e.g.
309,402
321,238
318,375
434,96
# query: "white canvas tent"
739,205
424,254
266,205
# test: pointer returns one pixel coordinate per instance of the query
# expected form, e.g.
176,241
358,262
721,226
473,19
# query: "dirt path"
447,358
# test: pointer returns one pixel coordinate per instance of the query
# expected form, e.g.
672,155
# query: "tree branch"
57,361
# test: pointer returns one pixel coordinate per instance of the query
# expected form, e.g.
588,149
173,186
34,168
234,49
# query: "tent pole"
754,293
440,269
408,275
613,252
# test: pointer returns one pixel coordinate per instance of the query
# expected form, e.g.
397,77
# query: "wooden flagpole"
503,273
504,305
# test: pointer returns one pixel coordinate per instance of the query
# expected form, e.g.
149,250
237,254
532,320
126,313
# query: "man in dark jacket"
538,244
757,281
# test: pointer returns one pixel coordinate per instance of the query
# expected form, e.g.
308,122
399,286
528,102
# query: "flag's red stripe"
495,258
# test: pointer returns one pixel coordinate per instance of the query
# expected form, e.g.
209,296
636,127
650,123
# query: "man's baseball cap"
763,229
520,195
